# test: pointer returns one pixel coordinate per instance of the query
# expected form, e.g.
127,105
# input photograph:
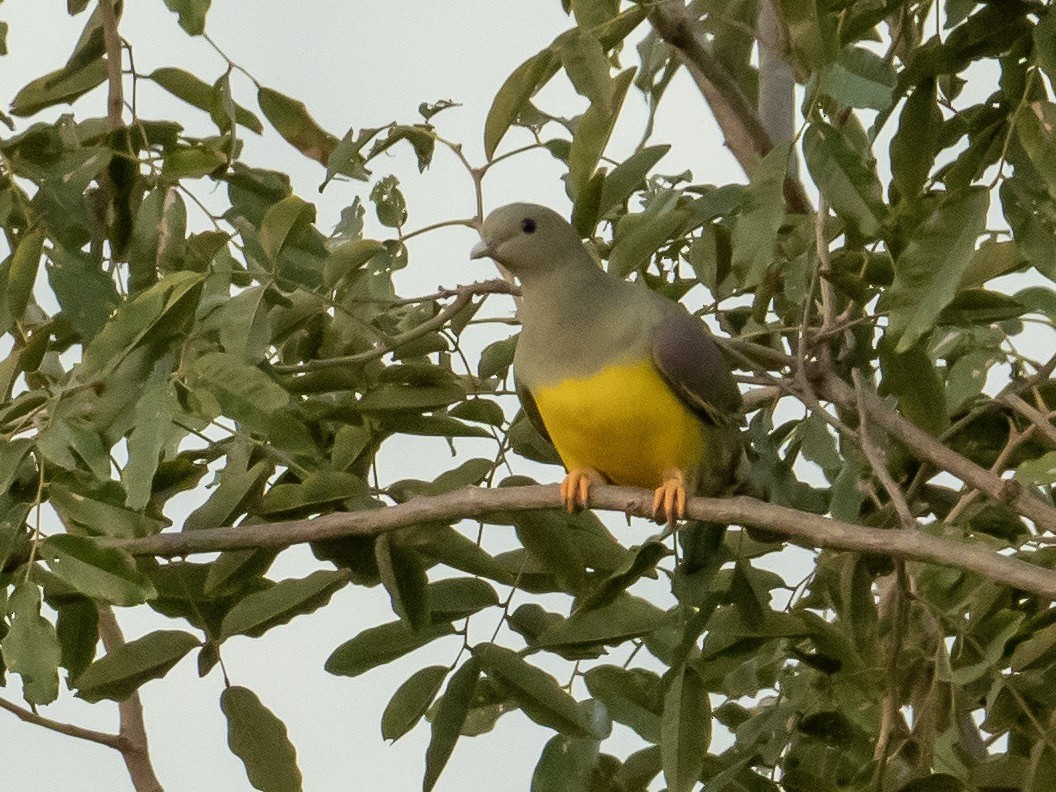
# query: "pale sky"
354,63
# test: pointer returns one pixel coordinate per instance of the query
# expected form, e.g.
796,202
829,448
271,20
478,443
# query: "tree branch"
920,443
1032,414
929,449
103,738
802,528
115,100
132,733
745,135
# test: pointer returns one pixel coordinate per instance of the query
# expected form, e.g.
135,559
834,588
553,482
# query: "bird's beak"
480,250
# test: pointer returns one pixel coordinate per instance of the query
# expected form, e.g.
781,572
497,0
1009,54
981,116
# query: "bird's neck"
564,296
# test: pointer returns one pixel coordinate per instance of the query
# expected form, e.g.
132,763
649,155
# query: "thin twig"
103,738
876,459
115,102
1015,440
1041,421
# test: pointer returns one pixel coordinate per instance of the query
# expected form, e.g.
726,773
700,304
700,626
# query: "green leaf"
1036,128
105,573
818,445
497,358
1037,299
403,575
628,177
479,410
633,697
470,473
1044,34
1001,626
545,535
859,79
85,292
450,715
931,266
191,14
980,307
514,94
389,203
20,277
760,218
57,87
349,257
391,397
1041,773
411,700
198,93
380,645
457,598
1038,471
448,546
914,145
236,483
538,694
192,162
156,312
642,563
566,765
627,617
911,377
585,211
98,515
846,177
638,236
991,260
811,36
685,730
319,490
242,392
592,134
280,220
587,66
31,647
77,629
257,737
257,613
119,673
151,429
12,453
421,137
292,120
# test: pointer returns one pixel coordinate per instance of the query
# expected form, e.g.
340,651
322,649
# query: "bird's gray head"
529,239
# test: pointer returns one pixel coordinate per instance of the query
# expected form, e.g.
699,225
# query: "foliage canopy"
896,331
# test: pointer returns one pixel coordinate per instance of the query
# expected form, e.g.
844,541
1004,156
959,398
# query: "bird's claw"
575,489
669,500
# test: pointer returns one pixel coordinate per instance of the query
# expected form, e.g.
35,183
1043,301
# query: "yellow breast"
624,422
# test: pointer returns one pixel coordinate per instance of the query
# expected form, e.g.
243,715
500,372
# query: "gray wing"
691,363
531,409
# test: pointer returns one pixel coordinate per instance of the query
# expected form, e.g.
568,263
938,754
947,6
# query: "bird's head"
528,239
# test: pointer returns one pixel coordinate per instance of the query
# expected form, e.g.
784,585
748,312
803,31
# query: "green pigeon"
629,387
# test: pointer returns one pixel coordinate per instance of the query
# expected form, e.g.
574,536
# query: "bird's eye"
528,225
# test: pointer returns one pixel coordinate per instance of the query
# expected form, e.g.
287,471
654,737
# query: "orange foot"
669,500
575,489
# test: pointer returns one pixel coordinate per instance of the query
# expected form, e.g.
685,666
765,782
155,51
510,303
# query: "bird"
628,386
